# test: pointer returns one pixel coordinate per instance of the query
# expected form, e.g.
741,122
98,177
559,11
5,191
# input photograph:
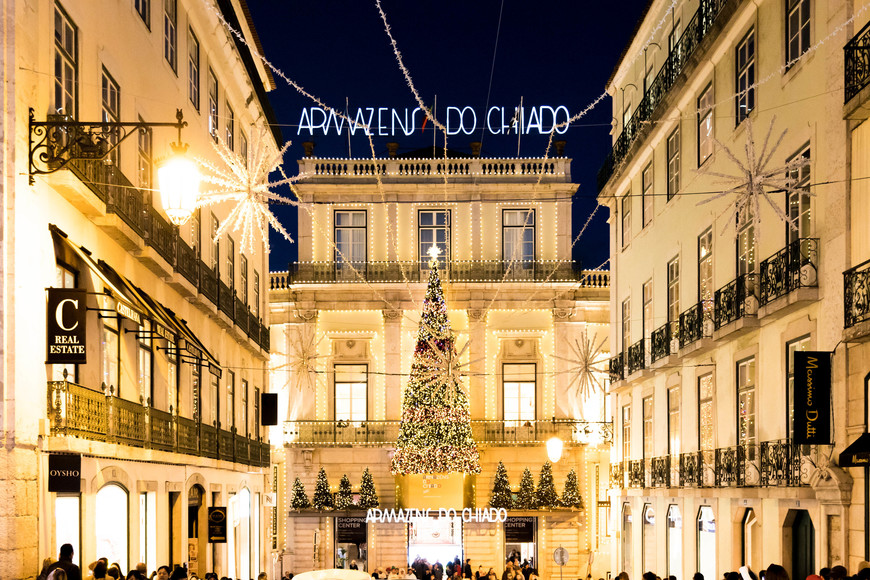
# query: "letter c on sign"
58,314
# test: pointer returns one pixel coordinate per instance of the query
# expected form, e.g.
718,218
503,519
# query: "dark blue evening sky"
549,52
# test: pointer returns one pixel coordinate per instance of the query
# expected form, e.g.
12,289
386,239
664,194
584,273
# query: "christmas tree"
322,496
526,499
368,497
344,497
501,489
571,497
546,495
435,432
300,498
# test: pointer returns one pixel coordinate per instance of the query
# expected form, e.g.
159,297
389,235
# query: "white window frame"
519,394
65,61
706,125
350,395
744,62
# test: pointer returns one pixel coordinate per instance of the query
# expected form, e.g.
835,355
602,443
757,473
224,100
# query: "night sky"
549,53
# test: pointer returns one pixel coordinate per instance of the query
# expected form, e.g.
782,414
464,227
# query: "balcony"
691,469
385,433
694,324
636,357
636,473
856,295
329,272
660,471
679,58
857,63
735,300
795,266
616,369
660,341
77,411
617,475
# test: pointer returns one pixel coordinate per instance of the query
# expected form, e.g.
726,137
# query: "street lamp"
178,179
554,449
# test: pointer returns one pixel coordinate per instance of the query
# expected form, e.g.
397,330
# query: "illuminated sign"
390,122
812,398
64,473
66,339
217,525
467,514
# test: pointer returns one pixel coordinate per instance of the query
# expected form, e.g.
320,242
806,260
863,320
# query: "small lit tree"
546,495
344,497
501,489
300,498
368,497
322,496
526,499
571,497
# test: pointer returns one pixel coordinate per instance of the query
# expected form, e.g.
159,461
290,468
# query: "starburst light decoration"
303,360
755,181
585,375
446,368
246,183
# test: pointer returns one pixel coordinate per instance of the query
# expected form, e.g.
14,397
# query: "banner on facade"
812,398
520,530
65,315
217,525
350,530
65,473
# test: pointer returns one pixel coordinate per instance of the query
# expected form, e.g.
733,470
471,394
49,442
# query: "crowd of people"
772,572
64,569
421,569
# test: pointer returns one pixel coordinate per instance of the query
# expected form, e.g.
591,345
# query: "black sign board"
858,453
812,398
65,315
217,525
269,406
519,530
65,473
350,530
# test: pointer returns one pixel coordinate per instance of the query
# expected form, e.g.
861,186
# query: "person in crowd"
101,570
163,572
58,574
466,570
672,578
478,573
698,576
114,571
624,576
353,565
777,572
46,563
65,563
825,573
648,576
491,575
837,573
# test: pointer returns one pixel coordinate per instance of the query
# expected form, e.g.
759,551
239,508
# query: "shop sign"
520,530
217,525
812,398
66,339
126,311
65,473
350,530
468,515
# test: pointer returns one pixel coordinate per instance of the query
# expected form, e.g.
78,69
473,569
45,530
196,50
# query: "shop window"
648,537
626,540
674,539
706,542
148,529
749,528
111,524
68,524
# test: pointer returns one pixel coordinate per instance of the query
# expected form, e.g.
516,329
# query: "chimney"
392,149
309,148
475,148
560,148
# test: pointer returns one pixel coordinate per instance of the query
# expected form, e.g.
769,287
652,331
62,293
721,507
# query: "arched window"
707,542
675,542
111,524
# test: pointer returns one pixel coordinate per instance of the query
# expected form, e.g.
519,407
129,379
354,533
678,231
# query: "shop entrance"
519,540
435,539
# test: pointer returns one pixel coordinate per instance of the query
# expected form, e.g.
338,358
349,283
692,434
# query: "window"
146,382
674,290
193,69
351,392
647,310
648,448
65,64
196,232
674,421
243,278
799,209
626,113
350,236
745,62
111,113
230,129
649,77
705,125
434,230
231,263
110,348
646,209
170,32
648,537
706,415
143,9
257,413
111,523
243,147
802,343
64,278
705,272
519,392
625,206
244,408
231,399
706,542
215,244
145,160
626,432
626,325
214,406
674,37
212,105
148,529
745,244
675,542
256,294
518,235
797,29
68,523
746,432
673,163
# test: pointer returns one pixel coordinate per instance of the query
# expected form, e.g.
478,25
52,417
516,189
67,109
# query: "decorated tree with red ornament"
435,432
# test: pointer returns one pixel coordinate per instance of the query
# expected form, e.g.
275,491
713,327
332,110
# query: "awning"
124,304
858,453
159,324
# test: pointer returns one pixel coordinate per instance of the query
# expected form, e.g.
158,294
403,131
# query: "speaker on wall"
269,408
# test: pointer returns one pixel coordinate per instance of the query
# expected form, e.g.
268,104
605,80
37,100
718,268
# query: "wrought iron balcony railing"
795,266
77,411
784,463
856,294
691,468
636,473
636,357
692,323
616,368
660,469
329,272
679,56
376,433
735,300
661,342
617,475
857,63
